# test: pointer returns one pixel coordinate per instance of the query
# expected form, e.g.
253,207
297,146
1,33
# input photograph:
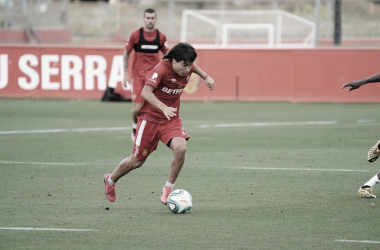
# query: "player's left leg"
175,137
178,146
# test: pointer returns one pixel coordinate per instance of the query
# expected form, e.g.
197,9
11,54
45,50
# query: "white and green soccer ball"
180,201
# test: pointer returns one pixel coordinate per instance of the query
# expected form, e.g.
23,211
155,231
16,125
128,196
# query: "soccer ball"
180,201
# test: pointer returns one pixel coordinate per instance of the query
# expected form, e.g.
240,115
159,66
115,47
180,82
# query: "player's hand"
353,85
170,112
209,82
126,80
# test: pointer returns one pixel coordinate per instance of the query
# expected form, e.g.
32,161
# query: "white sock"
134,125
110,181
372,182
168,184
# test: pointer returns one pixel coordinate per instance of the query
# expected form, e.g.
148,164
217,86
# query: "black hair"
182,52
150,10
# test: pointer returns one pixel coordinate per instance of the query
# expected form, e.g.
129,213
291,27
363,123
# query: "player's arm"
147,94
125,63
358,83
164,46
208,80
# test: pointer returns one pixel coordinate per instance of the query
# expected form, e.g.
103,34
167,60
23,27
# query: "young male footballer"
365,191
158,118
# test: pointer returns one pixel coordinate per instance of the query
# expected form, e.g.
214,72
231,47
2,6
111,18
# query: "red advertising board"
307,75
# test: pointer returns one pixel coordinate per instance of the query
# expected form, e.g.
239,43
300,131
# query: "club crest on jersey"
154,77
173,80
145,152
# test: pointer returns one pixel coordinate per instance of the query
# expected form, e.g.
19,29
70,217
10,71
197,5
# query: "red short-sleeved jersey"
145,62
168,87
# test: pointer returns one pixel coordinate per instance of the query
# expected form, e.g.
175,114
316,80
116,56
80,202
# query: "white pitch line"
47,229
359,241
41,163
303,169
34,131
99,129
265,124
365,121
43,131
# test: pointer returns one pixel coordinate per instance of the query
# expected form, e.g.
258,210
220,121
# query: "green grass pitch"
262,176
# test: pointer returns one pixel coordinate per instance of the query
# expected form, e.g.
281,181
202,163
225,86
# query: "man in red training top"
147,42
365,191
159,118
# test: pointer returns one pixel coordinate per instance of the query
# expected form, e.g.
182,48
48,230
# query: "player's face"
182,68
150,20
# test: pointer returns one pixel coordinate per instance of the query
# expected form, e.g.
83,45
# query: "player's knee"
137,163
180,150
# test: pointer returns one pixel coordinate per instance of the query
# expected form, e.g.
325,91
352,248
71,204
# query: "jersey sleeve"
154,77
132,40
164,46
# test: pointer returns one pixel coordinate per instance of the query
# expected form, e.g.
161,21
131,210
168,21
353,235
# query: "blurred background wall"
111,22
74,49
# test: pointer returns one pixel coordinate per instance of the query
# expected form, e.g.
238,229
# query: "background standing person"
159,118
365,191
146,42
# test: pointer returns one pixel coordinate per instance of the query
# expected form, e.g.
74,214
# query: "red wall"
307,75
312,75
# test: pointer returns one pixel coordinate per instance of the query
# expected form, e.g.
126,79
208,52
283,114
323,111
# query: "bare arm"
208,80
125,63
357,84
147,94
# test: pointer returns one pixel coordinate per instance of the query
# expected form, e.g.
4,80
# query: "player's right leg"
137,100
124,167
365,191
374,152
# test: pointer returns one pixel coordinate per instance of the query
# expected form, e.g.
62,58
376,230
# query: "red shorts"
137,87
149,133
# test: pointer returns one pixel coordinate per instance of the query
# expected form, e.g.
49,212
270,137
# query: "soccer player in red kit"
146,42
365,191
159,118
